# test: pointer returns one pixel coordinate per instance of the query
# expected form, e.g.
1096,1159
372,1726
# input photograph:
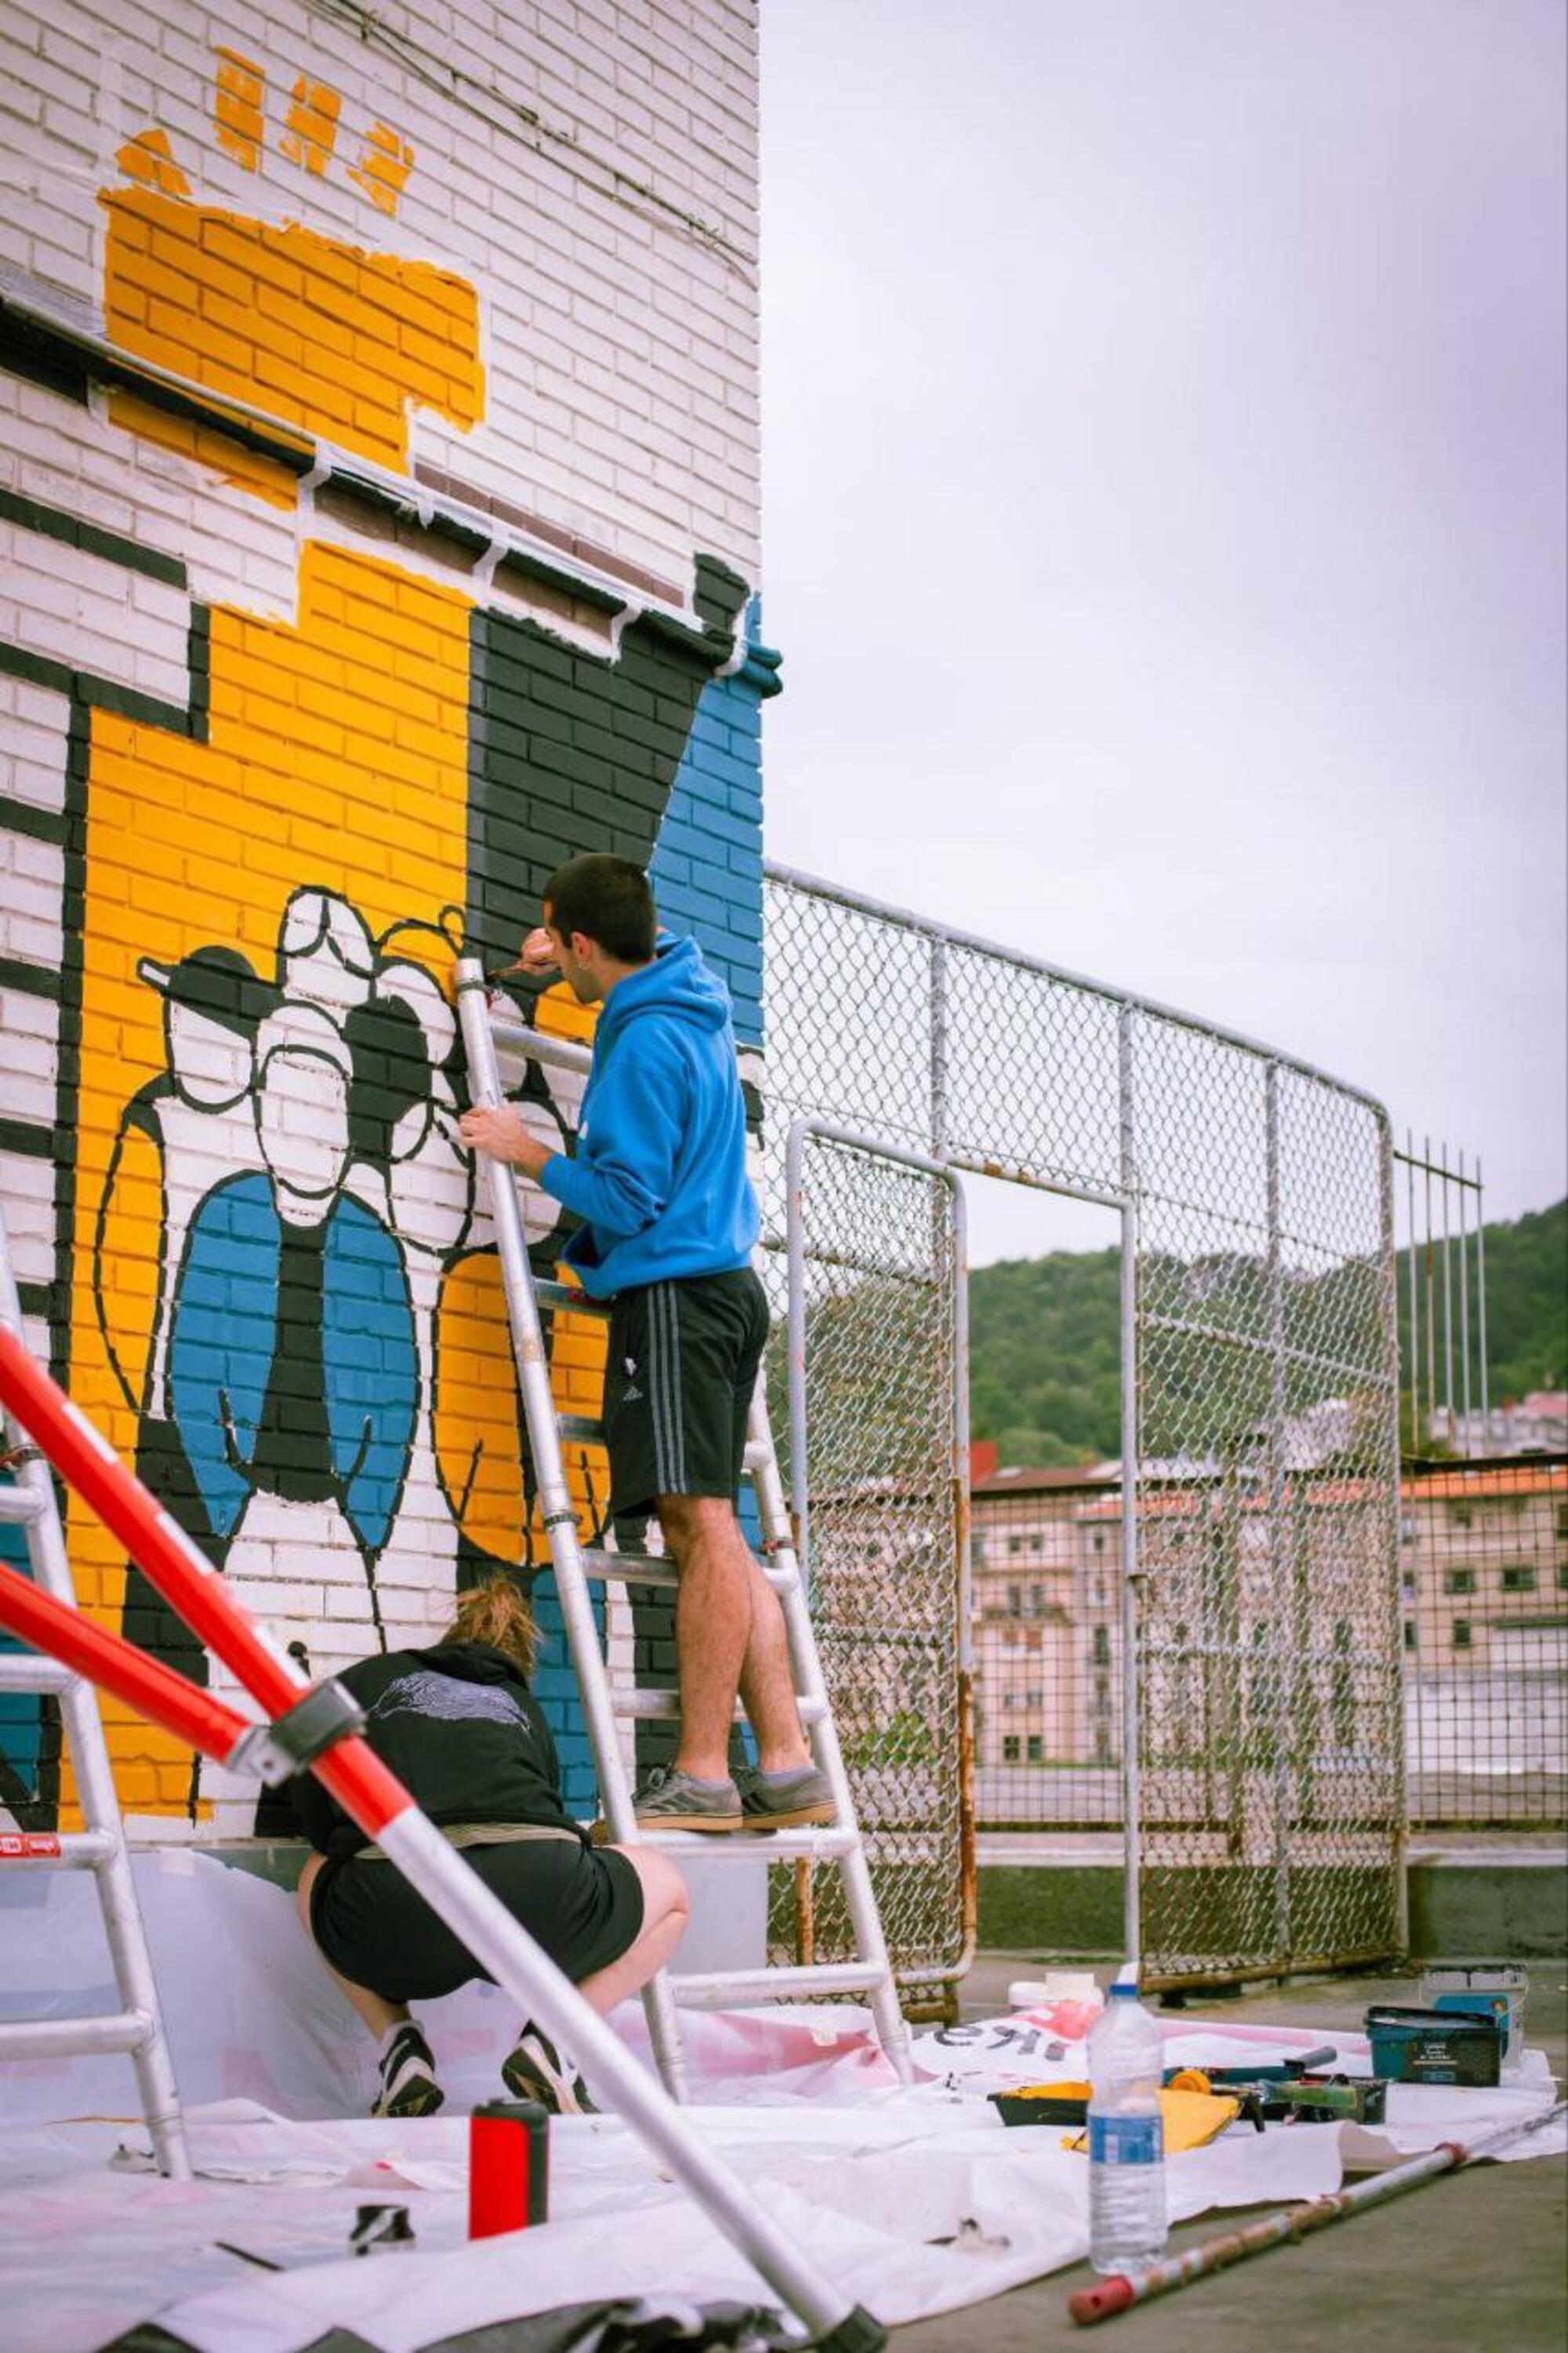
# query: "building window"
1462,1633
1014,1544
1010,1749
1519,1578
1461,1515
1100,1543
1410,1633
1562,1576
1033,1699
1101,1651
1459,1580
1009,1699
1015,1601
1037,1749
1562,1519
1037,1600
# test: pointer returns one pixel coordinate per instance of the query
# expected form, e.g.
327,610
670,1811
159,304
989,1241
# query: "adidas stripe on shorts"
682,1365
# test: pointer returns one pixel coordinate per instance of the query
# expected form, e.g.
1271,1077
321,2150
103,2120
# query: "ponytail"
495,1613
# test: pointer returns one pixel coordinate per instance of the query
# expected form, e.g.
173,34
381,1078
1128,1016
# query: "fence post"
1131,1616
1278,1408
1389,1318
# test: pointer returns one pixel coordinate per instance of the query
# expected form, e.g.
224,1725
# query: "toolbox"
1493,1988
1434,2046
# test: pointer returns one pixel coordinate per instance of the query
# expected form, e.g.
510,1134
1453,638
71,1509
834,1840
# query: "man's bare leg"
713,1625
767,1682
730,1637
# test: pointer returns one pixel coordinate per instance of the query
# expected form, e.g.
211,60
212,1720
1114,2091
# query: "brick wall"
378,526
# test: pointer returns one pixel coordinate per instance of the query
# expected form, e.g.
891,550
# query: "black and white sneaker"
534,2070
408,2085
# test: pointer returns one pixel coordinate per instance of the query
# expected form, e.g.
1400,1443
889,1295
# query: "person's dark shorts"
681,1367
582,1904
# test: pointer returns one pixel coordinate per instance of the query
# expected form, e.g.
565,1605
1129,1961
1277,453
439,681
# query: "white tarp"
914,2202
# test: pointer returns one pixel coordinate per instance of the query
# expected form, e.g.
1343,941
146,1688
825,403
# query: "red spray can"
509,2166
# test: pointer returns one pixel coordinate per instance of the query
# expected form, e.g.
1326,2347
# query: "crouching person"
461,1729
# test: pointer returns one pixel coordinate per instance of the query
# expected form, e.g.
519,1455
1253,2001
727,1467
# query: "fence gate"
1241,1590
868,1382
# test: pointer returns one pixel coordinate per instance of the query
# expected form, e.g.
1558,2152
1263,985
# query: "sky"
1163,468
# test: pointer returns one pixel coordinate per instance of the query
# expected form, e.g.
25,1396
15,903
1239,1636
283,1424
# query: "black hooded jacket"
461,1729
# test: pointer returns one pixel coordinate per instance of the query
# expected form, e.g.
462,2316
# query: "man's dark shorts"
682,1365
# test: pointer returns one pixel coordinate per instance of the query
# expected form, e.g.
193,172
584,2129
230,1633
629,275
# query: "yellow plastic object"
1191,2118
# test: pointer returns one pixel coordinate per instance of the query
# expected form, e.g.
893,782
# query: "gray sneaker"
785,1801
669,1800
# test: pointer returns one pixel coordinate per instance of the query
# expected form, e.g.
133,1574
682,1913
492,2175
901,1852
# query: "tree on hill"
1045,1335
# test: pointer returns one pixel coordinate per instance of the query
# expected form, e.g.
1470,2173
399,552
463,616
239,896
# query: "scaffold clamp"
327,1714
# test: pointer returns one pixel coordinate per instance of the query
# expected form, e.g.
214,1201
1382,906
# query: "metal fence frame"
822,1078
940,1963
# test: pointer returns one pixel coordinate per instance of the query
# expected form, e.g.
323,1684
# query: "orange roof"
1453,1483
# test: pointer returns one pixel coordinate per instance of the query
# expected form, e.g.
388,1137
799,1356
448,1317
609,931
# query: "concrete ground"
1472,2262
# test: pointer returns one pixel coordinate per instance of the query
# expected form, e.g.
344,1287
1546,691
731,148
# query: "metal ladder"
576,1565
137,2027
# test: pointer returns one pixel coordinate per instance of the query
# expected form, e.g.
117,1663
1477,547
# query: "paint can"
509,2166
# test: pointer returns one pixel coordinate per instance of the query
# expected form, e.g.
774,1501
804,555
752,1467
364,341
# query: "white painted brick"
27,1190
29,1093
30,937
22,1016
72,607
32,861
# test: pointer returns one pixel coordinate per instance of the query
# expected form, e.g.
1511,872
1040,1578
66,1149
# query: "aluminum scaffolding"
136,2028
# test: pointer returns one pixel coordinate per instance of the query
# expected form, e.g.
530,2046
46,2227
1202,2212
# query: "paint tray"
1043,2104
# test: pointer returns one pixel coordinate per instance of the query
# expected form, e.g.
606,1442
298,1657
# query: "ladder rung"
664,1707
566,1294
650,1568
724,1989
70,1850
25,1670
756,1846
630,1568
64,2037
20,1507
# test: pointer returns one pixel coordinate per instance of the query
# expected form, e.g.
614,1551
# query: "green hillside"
1527,1304
1044,1369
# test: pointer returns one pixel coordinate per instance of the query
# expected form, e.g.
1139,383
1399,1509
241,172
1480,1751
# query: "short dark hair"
608,900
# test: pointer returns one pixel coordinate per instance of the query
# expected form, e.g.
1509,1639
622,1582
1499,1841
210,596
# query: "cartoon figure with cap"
409,1169
183,1132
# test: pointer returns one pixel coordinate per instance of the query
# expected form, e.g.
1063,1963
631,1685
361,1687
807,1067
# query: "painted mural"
284,1298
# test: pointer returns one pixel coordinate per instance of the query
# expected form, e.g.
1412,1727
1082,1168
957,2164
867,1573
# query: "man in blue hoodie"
669,1221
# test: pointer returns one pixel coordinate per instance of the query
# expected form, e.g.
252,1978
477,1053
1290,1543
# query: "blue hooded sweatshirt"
659,1177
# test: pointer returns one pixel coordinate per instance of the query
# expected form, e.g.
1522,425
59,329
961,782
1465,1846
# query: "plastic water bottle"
1127,2223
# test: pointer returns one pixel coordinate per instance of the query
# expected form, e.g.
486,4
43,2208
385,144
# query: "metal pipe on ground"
1123,2290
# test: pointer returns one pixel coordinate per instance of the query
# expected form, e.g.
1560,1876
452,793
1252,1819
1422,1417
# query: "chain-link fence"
1263,1800
1484,1548
874,1341
1047,1706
